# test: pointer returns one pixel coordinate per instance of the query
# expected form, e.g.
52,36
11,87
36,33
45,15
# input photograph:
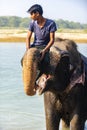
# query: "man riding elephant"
43,29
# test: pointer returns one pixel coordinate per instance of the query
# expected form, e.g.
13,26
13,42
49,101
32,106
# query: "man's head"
35,9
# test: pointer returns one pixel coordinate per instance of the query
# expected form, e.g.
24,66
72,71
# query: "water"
18,111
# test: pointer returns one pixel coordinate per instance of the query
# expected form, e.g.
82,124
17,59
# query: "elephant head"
63,55
31,66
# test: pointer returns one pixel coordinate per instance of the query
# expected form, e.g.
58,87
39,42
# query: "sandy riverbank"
77,37
19,35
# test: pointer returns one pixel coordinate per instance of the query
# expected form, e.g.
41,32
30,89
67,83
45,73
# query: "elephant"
62,81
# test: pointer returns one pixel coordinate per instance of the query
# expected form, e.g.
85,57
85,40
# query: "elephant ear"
62,71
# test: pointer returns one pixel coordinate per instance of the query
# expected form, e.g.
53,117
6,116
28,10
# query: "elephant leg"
52,117
52,121
77,123
64,126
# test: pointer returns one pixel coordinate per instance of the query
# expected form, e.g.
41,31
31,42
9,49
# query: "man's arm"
51,42
28,39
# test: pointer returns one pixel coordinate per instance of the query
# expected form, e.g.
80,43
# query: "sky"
72,10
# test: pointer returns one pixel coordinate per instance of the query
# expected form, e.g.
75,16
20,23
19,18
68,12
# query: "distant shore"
19,35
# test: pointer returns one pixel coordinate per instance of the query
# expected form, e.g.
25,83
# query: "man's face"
34,16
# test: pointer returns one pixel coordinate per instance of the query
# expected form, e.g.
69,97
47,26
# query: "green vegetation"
70,24
13,22
18,22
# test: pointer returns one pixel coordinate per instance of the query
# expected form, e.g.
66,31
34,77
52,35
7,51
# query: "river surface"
18,111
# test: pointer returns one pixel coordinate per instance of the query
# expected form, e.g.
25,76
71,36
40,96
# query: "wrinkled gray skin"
61,101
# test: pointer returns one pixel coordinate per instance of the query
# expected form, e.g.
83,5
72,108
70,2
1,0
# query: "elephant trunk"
29,71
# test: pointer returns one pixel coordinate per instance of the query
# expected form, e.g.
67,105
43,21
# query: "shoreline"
19,35
23,39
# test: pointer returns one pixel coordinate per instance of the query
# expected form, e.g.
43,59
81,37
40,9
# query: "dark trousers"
46,60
